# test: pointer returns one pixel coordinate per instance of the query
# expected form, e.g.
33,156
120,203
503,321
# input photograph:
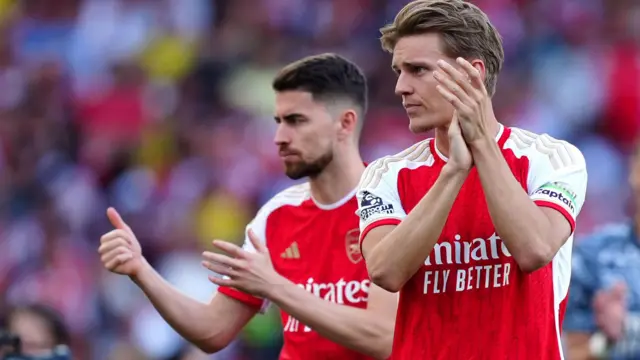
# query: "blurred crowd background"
163,109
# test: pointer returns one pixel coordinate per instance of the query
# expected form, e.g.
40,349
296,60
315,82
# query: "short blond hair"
465,31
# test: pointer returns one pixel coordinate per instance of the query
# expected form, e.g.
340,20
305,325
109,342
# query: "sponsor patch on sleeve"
557,192
372,205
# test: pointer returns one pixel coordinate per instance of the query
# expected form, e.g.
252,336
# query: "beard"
300,169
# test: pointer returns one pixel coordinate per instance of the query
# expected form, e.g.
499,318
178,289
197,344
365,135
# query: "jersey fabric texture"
608,256
316,247
470,300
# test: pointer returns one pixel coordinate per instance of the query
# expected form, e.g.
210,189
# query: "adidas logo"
291,252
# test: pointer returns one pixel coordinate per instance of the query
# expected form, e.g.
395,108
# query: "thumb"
257,244
116,219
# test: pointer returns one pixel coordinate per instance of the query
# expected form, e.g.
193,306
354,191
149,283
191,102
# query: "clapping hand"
247,271
465,90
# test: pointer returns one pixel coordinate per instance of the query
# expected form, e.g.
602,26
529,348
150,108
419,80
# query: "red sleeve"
560,209
240,296
374,225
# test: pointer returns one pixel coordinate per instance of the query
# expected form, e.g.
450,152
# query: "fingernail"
441,62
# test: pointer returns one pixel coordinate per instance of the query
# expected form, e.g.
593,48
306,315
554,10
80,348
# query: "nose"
403,86
282,136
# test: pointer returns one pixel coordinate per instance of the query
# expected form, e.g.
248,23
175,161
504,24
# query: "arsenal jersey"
470,300
316,247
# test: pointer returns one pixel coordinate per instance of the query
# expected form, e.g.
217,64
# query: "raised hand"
250,272
459,155
120,251
465,90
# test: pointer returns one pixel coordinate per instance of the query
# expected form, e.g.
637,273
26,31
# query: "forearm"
397,257
521,224
354,328
189,317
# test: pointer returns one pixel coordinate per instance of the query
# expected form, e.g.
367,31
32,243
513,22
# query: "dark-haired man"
301,249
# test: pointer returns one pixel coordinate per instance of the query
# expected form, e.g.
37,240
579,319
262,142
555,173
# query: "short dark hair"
327,77
55,324
465,30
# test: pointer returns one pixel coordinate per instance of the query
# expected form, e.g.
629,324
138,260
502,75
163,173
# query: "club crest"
353,245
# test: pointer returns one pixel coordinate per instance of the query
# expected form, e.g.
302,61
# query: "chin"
423,124
298,171
418,128
294,172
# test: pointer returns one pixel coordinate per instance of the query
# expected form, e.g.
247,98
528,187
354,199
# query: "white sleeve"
557,177
378,198
258,225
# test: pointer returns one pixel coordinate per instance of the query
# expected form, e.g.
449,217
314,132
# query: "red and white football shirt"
470,300
316,247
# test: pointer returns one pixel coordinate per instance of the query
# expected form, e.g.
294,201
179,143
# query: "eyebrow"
413,63
288,117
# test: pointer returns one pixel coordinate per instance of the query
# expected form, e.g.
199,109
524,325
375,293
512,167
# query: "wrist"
451,172
273,286
143,274
483,145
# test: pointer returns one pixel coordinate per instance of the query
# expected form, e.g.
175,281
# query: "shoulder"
544,149
419,154
292,196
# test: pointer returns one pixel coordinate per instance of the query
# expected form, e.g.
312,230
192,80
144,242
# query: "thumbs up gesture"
120,251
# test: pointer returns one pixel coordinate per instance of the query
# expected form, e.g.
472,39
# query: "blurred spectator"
39,328
603,311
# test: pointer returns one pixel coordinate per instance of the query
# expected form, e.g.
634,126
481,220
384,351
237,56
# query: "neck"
442,133
339,178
